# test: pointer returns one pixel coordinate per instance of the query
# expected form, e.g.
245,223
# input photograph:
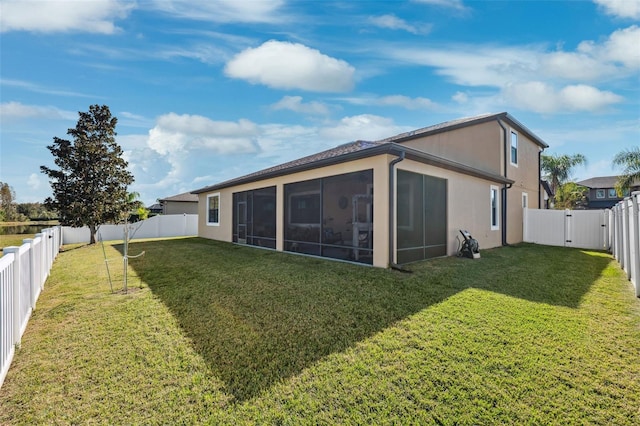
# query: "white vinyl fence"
175,225
586,229
23,272
624,225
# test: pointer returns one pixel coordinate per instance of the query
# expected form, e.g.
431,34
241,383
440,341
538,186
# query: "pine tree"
90,186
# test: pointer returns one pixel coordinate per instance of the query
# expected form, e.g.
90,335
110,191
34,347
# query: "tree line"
10,211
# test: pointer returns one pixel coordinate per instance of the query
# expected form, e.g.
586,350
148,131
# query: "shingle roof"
184,197
601,182
347,148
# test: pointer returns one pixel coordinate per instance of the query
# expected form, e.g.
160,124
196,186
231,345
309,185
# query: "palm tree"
630,159
558,168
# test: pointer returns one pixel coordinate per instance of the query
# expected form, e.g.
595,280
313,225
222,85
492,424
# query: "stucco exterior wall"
379,164
526,181
482,146
477,146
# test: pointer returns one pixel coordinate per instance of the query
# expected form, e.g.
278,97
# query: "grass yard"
13,240
222,334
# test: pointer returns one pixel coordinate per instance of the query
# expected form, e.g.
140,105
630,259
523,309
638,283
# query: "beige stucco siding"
526,180
379,164
478,146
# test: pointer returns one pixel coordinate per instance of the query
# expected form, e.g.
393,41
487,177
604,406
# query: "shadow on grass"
257,317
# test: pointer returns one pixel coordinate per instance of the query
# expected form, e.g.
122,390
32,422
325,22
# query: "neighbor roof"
601,182
362,149
184,197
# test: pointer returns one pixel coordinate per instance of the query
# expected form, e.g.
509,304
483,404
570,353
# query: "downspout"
505,186
392,210
540,179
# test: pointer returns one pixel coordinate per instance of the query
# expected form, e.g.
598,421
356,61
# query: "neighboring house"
394,201
155,209
179,204
547,195
602,191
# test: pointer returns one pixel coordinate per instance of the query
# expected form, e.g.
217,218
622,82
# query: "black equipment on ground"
469,247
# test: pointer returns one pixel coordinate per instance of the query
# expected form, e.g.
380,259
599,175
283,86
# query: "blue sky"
211,90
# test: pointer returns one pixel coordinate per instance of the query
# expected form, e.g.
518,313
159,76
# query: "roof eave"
389,148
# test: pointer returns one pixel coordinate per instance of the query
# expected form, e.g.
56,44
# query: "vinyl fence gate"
587,229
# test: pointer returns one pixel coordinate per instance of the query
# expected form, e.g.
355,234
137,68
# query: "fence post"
33,282
634,268
15,332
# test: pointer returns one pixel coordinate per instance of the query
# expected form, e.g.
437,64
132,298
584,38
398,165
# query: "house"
155,209
602,191
185,203
547,195
387,202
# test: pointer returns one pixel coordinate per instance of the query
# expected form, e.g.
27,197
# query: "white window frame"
525,200
511,147
612,191
601,194
209,198
494,194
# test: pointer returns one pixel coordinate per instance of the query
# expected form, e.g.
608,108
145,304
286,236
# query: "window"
525,200
514,148
495,208
613,193
213,209
600,193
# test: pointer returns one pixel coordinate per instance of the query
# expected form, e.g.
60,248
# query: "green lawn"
222,334
13,240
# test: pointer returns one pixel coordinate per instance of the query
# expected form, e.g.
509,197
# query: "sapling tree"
90,184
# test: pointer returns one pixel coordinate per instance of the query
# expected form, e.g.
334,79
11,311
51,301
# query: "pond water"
22,229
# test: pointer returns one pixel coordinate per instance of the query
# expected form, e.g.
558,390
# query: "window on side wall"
613,193
213,209
600,193
495,208
514,148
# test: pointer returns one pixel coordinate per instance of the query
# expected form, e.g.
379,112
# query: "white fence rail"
176,225
624,225
23,272
568,228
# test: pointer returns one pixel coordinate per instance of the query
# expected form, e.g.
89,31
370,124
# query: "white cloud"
394,100
34,182
460,97
18,110
392,22
621,47
176,133
32,87
621,8
362,127
268,11
284,65
543,98
294,103
95,16
575,65
452,4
